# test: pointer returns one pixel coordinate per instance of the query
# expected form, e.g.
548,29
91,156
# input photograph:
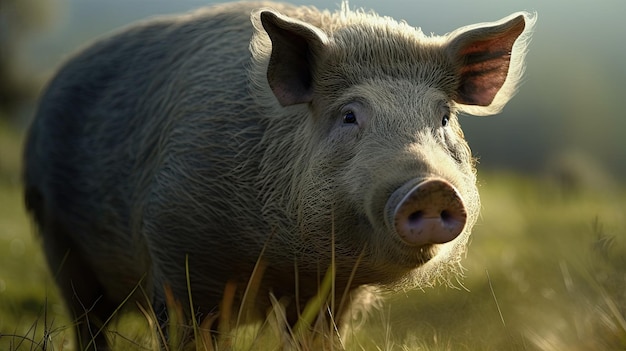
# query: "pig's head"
380,152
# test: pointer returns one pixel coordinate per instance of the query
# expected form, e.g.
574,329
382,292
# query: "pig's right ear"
489,62
295,45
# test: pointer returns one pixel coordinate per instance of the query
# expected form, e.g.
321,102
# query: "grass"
545,270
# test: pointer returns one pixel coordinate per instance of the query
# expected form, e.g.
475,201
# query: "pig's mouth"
424,212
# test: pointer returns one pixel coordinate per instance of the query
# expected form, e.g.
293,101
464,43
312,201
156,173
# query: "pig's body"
173,141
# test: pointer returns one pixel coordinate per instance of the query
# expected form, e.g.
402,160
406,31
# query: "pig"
175,156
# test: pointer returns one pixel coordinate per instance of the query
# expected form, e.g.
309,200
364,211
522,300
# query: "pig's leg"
78,284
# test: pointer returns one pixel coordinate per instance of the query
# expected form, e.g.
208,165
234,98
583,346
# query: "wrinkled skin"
291,138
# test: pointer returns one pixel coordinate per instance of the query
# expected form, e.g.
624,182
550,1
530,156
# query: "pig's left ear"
489,62
295,46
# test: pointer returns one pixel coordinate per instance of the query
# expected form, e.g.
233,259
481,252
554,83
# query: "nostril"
445,215
415,217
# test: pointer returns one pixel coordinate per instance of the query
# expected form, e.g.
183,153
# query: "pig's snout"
426,211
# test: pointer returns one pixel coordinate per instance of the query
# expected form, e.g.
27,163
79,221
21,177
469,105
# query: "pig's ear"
295,45
489,62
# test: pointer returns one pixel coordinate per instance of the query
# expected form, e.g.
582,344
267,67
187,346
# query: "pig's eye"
446,117
349,117
445,120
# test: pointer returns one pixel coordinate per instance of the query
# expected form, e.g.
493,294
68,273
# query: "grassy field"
545,270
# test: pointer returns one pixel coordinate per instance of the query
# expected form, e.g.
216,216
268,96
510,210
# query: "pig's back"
116,113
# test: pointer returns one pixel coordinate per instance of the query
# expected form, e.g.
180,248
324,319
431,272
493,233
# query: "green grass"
545,270
26,290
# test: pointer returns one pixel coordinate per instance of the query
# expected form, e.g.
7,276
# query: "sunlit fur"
164,144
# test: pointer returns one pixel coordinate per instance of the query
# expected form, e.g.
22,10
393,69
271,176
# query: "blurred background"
568,114
546,268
